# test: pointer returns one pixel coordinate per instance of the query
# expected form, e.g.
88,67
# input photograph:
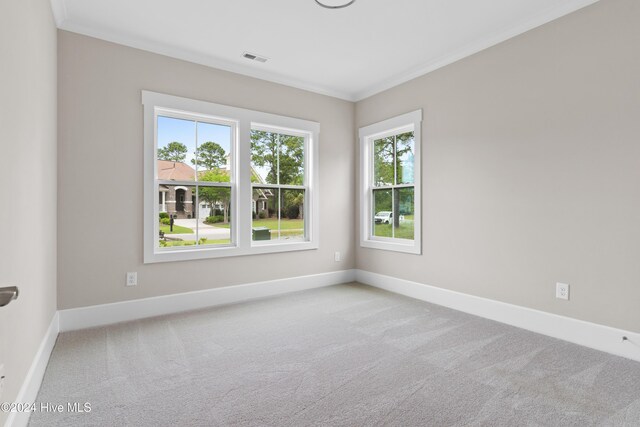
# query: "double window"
390,178
226,181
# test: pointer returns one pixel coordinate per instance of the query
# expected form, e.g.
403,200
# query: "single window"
195,182
390,177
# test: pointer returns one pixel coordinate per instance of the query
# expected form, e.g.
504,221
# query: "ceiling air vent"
254,57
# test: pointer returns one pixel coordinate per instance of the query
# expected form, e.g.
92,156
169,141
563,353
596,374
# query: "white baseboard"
599,337
105,314
31,385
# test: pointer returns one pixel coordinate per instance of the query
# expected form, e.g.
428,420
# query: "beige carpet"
346,355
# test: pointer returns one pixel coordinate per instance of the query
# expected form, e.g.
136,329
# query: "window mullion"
393,212
279,189
196,215
372,209
196,208
276,186
243,215
384,187
215,184
393,189
170,182
395,162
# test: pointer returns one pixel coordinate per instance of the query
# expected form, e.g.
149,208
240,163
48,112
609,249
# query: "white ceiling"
349,53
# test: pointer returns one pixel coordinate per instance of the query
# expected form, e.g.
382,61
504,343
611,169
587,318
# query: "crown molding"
200,58
479,45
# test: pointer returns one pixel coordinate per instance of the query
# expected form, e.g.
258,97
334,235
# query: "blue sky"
184,131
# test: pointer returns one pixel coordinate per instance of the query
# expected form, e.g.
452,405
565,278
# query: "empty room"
320,213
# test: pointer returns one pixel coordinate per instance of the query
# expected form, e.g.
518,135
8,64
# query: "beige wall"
101,158
531,169
28,177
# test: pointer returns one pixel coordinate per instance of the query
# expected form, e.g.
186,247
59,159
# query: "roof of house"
175,171
179,171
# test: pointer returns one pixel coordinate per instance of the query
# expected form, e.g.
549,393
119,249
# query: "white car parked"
384,217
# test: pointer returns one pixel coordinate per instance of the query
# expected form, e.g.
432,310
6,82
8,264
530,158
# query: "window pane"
264,157
291,160
177,223
213,152
404,158
382,213
278,214
215,175
265,214
292,223
176,149
214,216
403,224
277,158
383,162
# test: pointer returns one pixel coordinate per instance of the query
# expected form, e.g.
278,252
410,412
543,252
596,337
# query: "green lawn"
286,233
285,224
272,224
220,224
405,231
217,242
176,229
298,232
288,227
171,243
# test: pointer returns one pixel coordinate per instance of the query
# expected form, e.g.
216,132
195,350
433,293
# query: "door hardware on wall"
8,294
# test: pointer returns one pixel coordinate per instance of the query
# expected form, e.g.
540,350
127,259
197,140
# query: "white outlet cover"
132,279
337,256
562,291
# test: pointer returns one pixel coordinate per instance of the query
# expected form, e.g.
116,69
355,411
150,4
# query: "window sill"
188,254
394,245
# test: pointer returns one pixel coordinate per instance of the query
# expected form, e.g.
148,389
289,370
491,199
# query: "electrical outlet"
132,279
562,291
337,257
1,380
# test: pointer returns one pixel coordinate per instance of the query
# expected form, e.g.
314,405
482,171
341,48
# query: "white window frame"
409,122
241,187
